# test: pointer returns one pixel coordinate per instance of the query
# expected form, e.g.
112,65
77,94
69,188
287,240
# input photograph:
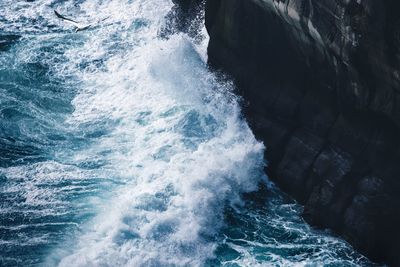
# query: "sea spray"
185,155
121,148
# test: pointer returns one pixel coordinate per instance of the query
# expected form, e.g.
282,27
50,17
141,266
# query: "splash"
181,148
121,148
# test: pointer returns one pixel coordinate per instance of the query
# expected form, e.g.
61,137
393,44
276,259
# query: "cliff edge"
321,84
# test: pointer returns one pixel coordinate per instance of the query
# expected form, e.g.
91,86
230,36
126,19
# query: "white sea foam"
182,149
153,156
177,142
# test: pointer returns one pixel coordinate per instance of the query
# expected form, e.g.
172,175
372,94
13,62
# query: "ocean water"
119,147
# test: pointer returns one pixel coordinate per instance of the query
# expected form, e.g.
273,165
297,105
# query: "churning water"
120,148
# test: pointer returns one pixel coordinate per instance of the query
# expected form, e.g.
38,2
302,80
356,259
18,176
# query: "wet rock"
369,212
321,84
300,153
329,187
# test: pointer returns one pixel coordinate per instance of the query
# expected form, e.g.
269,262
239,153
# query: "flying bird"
78,26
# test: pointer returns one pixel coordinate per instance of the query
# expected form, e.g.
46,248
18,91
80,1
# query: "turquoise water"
120,148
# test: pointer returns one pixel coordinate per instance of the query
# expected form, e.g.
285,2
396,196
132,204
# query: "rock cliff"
321,83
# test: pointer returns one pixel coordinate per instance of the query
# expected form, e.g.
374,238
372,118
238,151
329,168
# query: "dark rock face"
321,80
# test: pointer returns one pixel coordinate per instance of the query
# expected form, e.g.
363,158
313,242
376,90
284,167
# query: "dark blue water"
120,148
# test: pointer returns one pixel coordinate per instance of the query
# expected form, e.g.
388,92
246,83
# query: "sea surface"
119,147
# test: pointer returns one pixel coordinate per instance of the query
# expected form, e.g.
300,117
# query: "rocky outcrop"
321,83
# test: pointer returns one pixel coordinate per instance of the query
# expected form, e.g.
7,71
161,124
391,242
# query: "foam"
154,151
172,137
177,183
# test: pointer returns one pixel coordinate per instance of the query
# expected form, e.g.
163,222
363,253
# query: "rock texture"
321,81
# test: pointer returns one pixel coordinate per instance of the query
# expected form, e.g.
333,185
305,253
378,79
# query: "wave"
121,148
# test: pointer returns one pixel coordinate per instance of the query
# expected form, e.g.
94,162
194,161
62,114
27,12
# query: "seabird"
78,26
